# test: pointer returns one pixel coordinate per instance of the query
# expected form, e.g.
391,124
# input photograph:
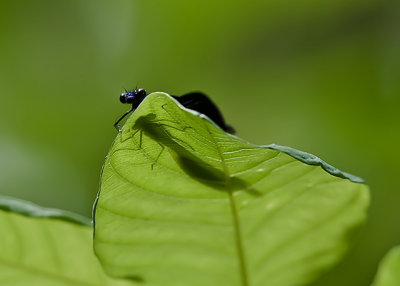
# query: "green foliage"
47,247
321,76
183,203
389,269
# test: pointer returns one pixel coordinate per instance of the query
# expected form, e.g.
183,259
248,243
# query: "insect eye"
123,97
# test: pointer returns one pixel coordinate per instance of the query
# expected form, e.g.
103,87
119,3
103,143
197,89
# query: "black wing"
201,103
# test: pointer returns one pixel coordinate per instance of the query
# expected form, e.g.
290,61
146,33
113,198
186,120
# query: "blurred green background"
319,76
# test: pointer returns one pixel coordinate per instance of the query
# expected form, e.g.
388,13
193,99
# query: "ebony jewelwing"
194,100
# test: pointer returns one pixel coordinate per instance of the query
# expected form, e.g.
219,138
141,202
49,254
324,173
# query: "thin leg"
176,121
176,128
140,139
174,138
158,156
122,117
123,139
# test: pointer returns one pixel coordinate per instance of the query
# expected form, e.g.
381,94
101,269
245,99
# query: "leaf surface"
43,247
389,269
184,203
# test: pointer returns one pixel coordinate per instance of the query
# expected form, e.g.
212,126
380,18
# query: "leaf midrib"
235,216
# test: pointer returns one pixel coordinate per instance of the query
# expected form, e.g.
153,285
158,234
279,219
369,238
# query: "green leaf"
40,246
183,203
389,269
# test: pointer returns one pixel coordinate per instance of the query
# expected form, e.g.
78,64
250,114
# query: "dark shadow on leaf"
209,175
136,278
191,164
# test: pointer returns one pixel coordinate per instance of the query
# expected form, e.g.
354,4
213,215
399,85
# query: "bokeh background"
319,76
